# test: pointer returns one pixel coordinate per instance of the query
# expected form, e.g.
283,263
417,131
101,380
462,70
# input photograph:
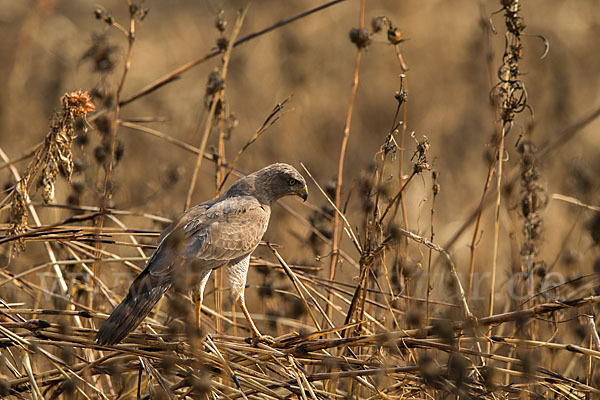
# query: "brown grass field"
450,245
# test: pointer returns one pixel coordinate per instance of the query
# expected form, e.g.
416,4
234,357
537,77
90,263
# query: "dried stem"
336,240
216,100
171,76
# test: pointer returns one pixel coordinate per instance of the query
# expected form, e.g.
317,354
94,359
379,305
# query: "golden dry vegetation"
387,298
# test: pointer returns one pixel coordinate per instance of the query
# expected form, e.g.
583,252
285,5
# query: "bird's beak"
303,193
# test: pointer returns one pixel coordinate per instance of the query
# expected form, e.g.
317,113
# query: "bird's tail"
132,310
144,293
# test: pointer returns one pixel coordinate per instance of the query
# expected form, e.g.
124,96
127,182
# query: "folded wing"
211,235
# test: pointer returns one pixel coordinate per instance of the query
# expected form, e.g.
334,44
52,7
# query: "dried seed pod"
100,154
360,37
101,52
103,124
221,22
119,151
394,35
377,24
222,43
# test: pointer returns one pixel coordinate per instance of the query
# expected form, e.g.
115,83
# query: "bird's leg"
236,275
242,304
256,335
198,296
198,309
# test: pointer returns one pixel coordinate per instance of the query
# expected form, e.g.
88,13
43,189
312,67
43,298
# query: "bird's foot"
256,339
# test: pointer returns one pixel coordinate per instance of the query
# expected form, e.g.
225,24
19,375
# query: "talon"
202,345
266,339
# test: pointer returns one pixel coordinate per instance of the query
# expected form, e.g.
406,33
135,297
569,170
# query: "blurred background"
52,47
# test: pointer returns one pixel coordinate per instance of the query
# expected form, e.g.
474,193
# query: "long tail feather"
144,293
129,314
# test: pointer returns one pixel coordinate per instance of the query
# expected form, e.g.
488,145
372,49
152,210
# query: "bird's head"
278,180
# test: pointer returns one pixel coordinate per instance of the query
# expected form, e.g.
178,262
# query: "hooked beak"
303,193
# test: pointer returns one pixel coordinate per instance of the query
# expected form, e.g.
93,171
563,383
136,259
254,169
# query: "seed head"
360,37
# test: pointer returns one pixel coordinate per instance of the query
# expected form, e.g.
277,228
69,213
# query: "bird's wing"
185,218
210,237
206,237
227,230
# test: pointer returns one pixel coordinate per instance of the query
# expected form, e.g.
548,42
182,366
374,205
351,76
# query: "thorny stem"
336,240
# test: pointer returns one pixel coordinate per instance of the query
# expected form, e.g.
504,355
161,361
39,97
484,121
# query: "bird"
222,232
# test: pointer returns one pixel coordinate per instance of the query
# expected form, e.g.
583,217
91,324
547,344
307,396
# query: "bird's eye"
292,182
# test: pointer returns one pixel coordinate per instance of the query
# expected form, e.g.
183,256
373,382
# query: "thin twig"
171,76
270,121
336,240
215,101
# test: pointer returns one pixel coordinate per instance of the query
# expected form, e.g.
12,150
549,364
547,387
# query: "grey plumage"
222,232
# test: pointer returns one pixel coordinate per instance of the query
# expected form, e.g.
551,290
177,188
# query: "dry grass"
416,270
